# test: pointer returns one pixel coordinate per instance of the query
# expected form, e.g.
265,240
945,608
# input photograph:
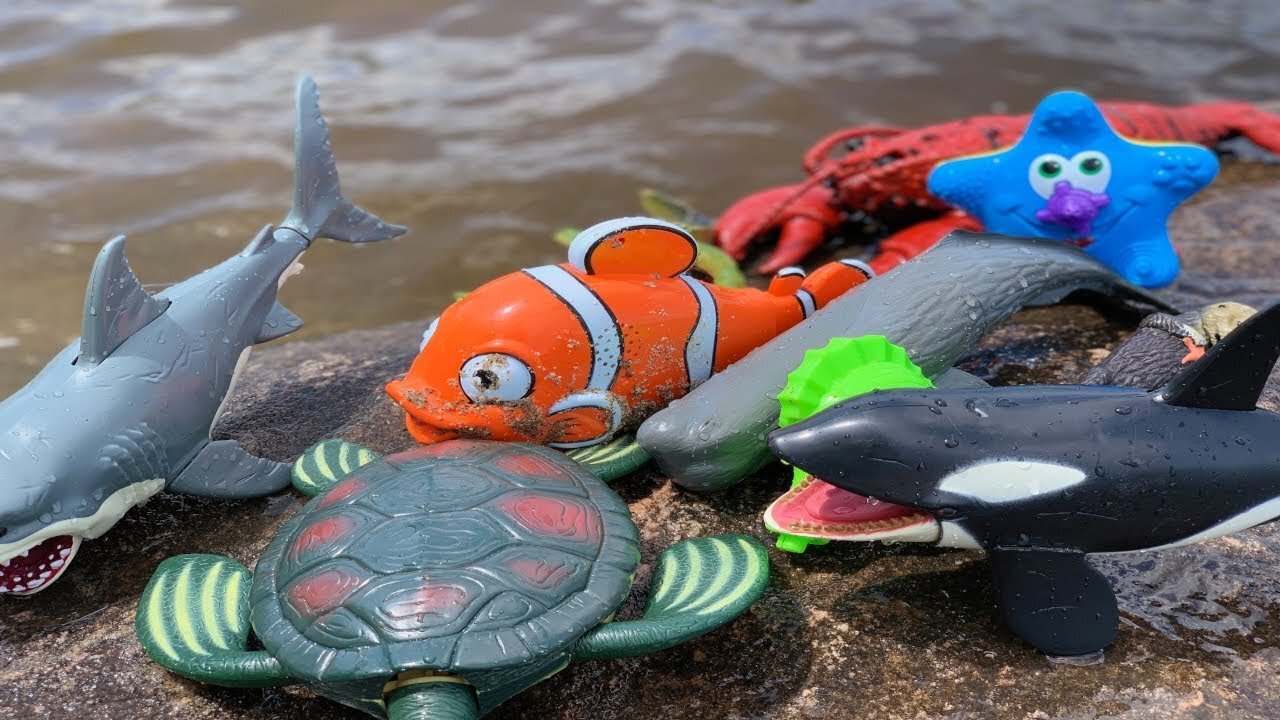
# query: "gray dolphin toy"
936,306
125,411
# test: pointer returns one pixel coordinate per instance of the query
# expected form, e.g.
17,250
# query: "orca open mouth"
34,569
817,509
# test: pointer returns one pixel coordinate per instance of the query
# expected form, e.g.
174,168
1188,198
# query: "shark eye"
426,335
1045,171
495,377
1089,170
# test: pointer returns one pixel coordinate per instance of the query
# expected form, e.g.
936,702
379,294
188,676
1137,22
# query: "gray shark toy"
936,306
125,411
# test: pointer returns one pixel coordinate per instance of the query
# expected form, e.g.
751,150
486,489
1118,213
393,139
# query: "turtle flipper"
194,620
1054,600
701,584
322,465
610,461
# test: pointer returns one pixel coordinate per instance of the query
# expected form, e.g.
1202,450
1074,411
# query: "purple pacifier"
1072,208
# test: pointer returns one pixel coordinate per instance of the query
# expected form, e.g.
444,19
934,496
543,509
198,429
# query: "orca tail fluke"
1232,373
319,209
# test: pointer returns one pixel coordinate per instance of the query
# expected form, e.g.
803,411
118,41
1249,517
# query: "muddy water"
485,125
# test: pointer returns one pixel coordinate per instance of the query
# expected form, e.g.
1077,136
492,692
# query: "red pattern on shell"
340,492
528,465
321,592
563,517
320,534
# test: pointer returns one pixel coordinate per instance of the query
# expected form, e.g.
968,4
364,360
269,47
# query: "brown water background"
485,125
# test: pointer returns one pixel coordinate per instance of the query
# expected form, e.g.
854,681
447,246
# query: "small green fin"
322,465
433,701
193,619
610,461
699,585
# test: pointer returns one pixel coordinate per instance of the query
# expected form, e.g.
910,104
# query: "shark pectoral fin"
1232,373
1054,600
115,304
585,418
280,322
957,379
224,469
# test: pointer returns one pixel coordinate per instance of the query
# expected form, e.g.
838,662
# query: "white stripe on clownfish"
700,348
860,266
603,333
613,406
807,304
791,270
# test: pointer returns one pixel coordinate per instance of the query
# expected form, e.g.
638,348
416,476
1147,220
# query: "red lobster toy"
887,167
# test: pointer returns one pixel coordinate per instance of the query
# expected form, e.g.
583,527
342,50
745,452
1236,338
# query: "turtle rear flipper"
322,465
610,461
701,584
194,620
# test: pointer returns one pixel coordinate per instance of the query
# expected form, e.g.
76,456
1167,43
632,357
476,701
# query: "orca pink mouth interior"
36,568
819,509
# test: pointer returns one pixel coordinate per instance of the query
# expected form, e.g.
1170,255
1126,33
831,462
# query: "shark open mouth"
35,569
817,509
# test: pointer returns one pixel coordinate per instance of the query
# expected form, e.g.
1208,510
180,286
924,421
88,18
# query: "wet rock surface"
844,630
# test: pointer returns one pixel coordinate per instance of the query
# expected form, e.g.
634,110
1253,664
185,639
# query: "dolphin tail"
319,209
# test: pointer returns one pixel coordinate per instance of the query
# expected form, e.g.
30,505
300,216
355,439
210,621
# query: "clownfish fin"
830,282
586,418
787,281
633,246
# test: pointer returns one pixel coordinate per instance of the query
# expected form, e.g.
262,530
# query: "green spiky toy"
844,368
436,583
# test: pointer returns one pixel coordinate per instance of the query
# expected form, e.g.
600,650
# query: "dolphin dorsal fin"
1232,374
115,305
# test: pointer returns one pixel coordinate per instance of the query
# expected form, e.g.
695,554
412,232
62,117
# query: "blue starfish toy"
1071,177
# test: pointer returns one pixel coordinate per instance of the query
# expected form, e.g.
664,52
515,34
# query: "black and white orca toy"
1040,476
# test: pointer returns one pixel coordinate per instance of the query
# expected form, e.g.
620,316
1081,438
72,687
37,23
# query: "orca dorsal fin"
1232,374
115,305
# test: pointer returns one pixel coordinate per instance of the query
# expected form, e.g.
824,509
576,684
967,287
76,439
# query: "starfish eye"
1089,170
1046,170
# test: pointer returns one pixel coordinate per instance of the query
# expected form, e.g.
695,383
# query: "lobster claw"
803,214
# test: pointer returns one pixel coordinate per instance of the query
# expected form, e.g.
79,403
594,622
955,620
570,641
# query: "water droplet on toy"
950,442
1124,410
935,411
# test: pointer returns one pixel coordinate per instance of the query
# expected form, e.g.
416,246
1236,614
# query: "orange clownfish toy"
568,355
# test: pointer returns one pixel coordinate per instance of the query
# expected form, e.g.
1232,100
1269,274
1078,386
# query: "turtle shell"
461,556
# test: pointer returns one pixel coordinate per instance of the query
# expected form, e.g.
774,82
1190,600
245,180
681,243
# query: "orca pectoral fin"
280,322
223,469
1054,600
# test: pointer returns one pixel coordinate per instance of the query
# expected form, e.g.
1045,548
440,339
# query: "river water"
486,125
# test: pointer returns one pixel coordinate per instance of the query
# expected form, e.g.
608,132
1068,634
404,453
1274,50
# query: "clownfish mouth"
426,433
817,509
33,569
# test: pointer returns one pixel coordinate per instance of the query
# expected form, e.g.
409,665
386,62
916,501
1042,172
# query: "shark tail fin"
1233,373
115,304
319,209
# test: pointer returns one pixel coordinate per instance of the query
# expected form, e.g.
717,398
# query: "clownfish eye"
495,377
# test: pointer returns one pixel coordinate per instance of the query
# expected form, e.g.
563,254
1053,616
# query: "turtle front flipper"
322,465
610,461
432,700
701,584
194,620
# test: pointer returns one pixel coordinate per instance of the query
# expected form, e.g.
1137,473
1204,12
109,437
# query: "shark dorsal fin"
1232,374
115,305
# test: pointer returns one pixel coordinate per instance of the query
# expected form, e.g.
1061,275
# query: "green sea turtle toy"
438,582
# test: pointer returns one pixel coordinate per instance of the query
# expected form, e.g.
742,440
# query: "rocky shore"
844,630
